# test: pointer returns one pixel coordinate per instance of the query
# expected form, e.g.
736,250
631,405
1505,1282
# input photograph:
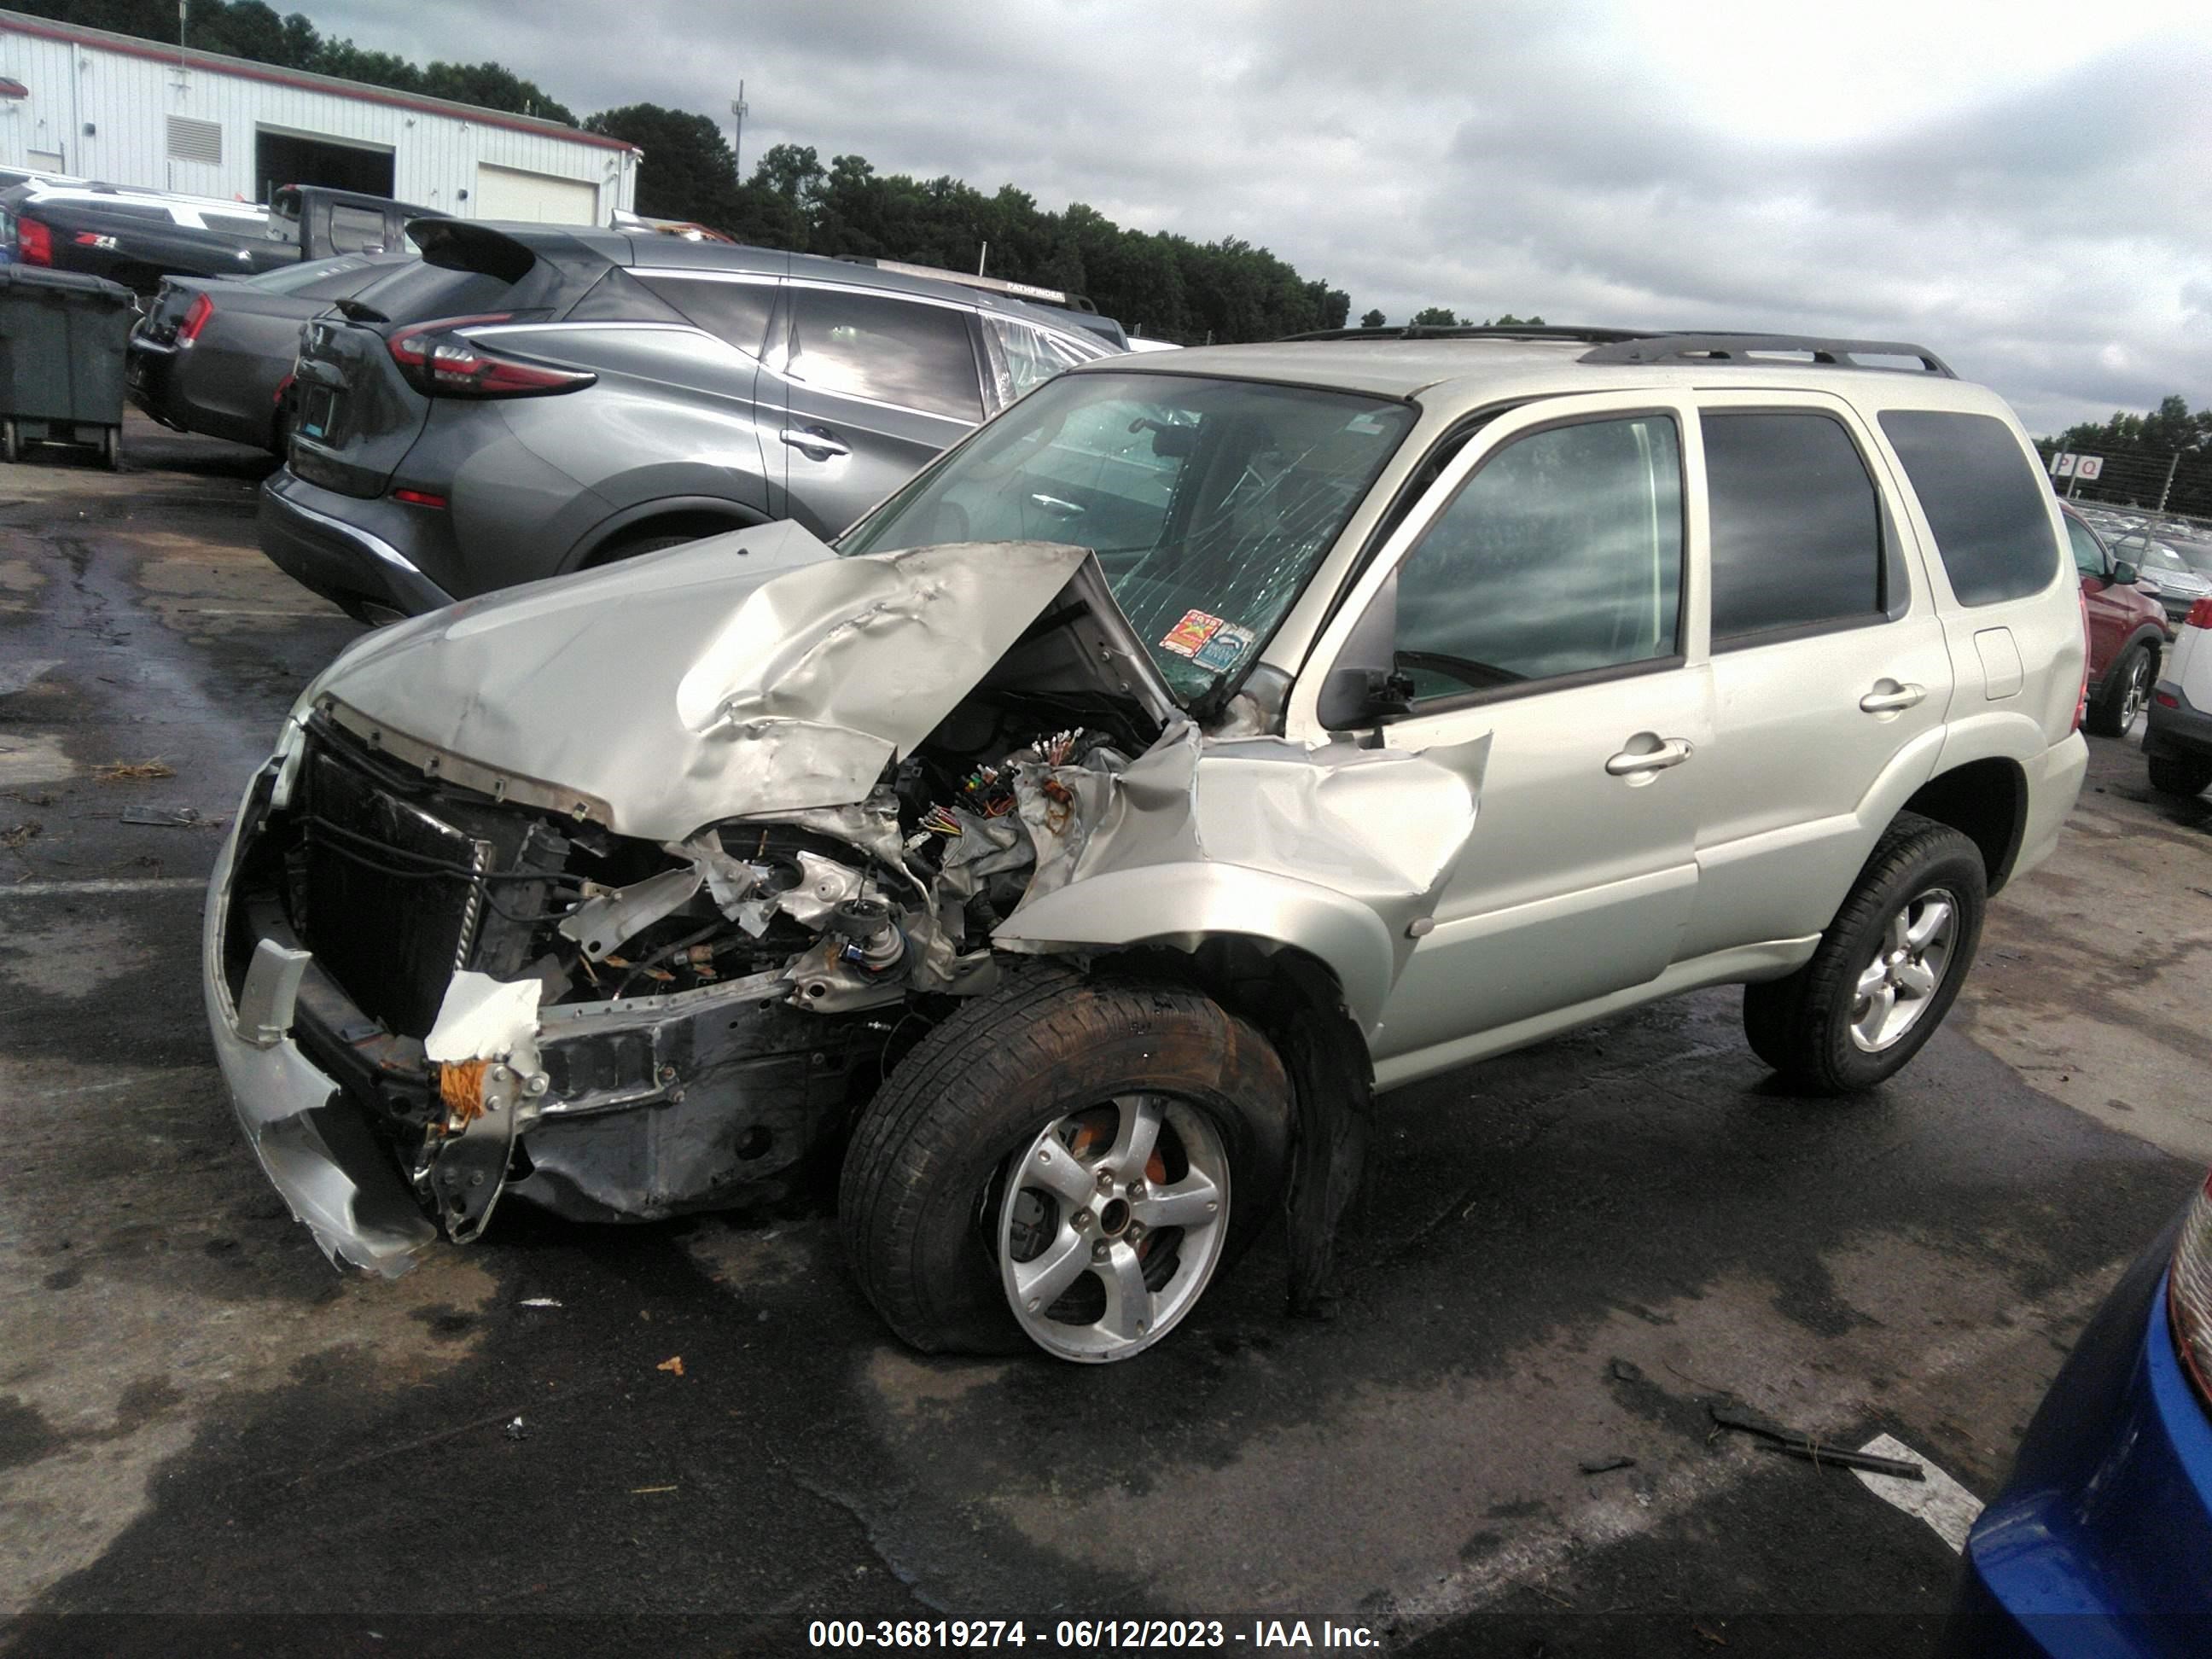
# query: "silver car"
532,400
1075,847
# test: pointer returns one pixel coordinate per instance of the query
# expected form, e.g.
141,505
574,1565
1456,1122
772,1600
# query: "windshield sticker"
1187,637
1225,649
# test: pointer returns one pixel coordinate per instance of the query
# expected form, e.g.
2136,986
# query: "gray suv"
1074,850
532,400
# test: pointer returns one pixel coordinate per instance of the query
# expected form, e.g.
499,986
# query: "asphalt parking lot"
1565,1257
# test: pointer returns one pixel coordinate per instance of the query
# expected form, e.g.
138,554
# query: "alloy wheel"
1110,1222
1895,988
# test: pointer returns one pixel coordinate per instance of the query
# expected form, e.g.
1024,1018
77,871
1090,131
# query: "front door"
1539,593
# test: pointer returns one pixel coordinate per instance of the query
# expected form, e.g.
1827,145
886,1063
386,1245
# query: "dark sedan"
213,355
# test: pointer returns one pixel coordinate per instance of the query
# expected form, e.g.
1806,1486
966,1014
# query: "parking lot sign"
2061,466
2089,468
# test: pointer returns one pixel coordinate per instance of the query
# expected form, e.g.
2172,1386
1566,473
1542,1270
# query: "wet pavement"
1566,1254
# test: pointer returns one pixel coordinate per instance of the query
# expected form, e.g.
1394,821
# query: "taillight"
440,363
418,498
34,243
195,318
2188,1292
2081,700
2200,615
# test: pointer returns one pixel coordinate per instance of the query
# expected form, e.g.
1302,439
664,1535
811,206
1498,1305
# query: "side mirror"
1364,685
2126,574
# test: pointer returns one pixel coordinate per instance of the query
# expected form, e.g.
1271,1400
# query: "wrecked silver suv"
1074,847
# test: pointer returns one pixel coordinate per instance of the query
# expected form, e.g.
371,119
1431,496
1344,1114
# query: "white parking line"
1939,1500
101,884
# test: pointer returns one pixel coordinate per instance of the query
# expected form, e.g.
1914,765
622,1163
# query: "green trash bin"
63,337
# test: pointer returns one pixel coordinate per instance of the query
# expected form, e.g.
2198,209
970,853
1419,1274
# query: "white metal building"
133,112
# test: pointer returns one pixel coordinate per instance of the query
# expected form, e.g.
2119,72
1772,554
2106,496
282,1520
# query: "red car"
2127,632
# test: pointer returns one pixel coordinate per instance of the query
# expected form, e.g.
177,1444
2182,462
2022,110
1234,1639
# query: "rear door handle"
1879,701
1628,763
815,442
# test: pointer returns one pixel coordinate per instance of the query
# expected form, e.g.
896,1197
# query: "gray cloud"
2046,232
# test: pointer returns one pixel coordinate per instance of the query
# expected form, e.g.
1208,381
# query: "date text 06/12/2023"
1086,1635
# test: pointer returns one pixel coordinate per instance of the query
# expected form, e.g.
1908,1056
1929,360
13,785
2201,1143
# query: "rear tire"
2125,694
111,448
1886,971
1040,1077
2181,775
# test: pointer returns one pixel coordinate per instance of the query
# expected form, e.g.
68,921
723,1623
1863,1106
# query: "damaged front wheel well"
1297,1002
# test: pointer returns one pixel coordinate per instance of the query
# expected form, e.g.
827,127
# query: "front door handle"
1881,701
814,442
1630,763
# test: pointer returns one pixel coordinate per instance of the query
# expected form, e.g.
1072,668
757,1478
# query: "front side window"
1562,554
1796,528
888,350
1208,502
1986,503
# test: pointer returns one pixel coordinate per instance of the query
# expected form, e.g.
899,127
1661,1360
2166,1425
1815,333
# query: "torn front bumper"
630,1110
312,1143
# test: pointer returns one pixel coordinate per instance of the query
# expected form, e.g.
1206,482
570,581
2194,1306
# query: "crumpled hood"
753,672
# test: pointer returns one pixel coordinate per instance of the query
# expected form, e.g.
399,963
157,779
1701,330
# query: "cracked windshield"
1208,502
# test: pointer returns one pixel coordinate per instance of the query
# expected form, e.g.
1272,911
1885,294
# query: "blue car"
2100,1544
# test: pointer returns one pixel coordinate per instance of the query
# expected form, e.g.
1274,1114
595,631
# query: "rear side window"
357,230
735,312
1985,503
891,350
420,293
1796,529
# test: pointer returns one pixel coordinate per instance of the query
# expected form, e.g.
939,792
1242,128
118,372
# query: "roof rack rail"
1472,331
1749,350
1051,296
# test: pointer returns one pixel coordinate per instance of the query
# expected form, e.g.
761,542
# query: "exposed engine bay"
506,986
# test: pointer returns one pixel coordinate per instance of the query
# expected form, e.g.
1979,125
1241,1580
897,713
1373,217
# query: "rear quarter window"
1985,503
423,293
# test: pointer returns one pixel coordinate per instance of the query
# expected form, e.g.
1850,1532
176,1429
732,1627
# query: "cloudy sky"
2026,187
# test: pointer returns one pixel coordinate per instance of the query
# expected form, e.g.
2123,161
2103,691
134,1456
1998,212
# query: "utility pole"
180,24
738,113
2167,488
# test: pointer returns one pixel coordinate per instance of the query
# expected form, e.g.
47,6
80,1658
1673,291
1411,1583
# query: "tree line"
2167,451
1156,282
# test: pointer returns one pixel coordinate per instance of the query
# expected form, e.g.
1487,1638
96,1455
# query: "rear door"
1831,670
863,387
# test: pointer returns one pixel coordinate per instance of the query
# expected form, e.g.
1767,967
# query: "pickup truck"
137,238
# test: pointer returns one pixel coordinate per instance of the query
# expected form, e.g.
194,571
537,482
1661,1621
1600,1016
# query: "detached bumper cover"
308,534
312,1144
2101,1542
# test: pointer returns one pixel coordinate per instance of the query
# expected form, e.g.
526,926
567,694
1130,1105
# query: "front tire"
2125,694
1886,971
1065,1163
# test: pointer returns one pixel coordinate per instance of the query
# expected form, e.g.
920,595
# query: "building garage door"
510,193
